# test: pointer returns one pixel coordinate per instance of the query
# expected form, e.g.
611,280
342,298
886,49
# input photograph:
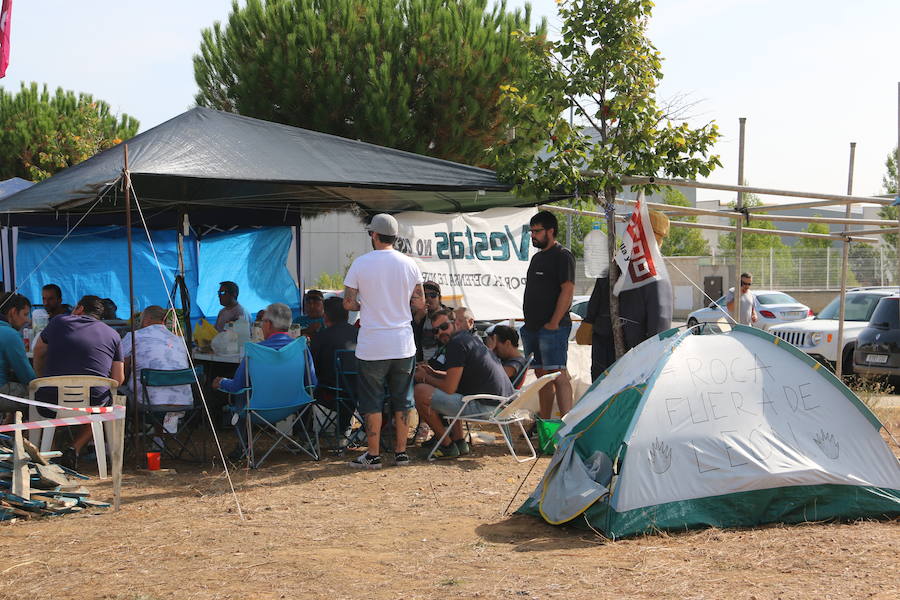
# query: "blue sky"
810,75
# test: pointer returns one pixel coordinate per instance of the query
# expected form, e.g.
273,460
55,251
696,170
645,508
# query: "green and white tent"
733,429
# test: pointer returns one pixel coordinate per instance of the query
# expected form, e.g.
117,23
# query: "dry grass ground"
427,531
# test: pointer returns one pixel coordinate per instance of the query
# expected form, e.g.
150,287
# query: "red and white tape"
87,409
118,412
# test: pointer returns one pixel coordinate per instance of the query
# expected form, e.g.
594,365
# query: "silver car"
772,307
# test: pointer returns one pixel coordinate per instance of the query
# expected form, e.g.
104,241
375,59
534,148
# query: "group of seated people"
453,359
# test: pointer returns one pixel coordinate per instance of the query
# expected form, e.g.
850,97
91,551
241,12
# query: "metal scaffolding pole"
845,259
739,227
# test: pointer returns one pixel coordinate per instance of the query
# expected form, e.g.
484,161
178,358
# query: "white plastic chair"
73,391
511,410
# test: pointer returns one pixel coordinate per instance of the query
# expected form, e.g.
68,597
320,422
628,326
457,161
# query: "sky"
810,76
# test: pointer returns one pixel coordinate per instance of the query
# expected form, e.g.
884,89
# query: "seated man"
465,320
503,341
471,369
313,315
79,344
157,348
337,334
231,310
14,309
426,340
274,326
51,296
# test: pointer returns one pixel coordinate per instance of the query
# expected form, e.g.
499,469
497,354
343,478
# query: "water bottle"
39,320
596,253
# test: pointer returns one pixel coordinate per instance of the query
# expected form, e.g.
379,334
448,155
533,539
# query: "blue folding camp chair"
343,408
279,391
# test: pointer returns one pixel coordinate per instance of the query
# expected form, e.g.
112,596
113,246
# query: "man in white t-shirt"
748,314
382,285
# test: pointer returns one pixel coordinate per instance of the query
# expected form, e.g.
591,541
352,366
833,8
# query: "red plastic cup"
153,461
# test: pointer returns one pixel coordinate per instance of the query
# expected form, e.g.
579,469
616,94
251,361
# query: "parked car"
772,307
878,345
818,337
576,313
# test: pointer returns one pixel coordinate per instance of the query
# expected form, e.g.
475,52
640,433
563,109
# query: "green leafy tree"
605,69
41,134
683,241
890,186
810,243
417,75
864,265
752,241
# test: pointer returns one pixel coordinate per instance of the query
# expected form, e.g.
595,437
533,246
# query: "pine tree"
41,134
417,75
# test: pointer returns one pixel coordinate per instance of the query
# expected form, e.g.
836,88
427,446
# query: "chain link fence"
813,268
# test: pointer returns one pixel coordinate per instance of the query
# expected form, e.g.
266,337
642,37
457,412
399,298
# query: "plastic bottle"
39,320
596,253
26,338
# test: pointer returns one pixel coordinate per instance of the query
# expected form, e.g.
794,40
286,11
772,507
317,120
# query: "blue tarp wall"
93,260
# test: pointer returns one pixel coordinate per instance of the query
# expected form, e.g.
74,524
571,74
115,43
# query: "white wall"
328,240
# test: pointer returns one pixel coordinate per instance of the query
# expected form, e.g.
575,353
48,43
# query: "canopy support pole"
845,259
298,258
136,421
739,229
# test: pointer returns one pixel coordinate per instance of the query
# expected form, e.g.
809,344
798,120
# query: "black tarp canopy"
227,169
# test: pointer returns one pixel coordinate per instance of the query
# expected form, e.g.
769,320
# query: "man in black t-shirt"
470,369
503,341
549,288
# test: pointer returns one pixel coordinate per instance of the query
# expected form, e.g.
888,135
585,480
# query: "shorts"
382,381
449,404
550,348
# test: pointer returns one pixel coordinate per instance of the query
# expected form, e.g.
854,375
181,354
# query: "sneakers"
364,461
429,444
401,459
463,446
443,452
69,459
421,434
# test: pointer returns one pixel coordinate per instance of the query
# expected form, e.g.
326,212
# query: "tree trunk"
609,195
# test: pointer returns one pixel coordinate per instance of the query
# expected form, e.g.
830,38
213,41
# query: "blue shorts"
550,348
382,381
449,404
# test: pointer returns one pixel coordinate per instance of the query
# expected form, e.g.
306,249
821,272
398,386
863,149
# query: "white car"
818,337
772,307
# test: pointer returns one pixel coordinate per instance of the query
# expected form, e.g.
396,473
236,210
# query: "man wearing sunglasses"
426,340
748,314
470,369
231,310
549,288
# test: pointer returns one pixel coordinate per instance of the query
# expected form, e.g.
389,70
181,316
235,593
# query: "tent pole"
845,259
298,257
181,282
897,190
739,224
136,418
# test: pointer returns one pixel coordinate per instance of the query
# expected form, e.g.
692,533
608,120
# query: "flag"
5,16
638,256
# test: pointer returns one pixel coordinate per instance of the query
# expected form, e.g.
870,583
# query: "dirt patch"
426,531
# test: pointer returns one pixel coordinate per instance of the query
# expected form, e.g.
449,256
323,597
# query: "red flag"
5,18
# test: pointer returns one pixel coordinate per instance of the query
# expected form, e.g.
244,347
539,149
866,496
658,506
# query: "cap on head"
384,224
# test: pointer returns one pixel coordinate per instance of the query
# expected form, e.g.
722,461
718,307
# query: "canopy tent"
224,169
726,430
8,187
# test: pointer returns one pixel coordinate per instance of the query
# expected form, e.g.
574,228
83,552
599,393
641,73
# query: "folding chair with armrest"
155,415
343,409
511,410
278,392
519,377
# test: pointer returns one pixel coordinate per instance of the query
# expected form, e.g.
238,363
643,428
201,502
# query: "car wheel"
847,363
692,322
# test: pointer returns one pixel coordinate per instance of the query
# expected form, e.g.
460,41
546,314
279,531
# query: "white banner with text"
480,260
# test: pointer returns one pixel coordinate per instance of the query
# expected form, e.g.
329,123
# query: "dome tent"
727,430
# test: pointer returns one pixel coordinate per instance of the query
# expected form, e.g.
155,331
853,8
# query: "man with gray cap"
382,285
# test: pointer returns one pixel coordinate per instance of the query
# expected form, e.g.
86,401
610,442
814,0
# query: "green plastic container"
546,429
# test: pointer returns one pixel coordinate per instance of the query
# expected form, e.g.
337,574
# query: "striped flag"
639,257
5,17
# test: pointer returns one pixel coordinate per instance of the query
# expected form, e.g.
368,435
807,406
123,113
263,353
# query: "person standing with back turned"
382,285
549,288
